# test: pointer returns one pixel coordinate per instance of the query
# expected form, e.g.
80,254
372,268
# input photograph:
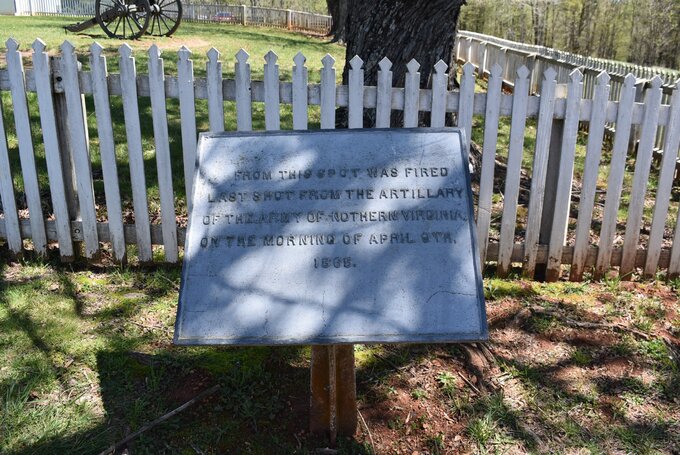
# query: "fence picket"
300,97
272,116
590,174
665,185
213,70
412,94
616,173
539,171
356,93
163,158
78,138
439,83
9,205
383,110
17,83
187,110
128,81
512,180
643,162
467,99
244,106
566,176
493,106
107,151
327,93
43,85
674,262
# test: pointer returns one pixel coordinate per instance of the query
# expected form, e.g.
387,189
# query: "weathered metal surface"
333,398
331,237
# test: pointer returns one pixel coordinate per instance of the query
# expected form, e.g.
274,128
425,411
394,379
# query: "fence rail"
140,128
195,12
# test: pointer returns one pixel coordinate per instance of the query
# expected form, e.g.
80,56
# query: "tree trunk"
400,30
338,10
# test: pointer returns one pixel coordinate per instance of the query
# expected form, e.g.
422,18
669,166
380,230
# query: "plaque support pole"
333,405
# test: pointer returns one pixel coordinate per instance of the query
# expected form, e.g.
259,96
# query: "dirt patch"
174,43
188,387
583,337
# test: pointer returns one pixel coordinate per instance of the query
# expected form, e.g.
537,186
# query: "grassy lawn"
199,38
86,358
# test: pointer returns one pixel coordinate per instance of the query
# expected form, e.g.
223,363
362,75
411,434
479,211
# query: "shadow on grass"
598,392
62,397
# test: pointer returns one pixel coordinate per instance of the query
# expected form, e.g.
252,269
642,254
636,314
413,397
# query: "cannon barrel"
80,26
108,15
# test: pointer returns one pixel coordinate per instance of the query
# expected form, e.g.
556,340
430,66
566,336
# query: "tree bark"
400,30
338,10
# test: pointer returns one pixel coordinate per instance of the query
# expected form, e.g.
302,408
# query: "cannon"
130,19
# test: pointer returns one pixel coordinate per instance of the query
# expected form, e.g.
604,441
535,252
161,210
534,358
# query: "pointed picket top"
523,72
496,70
356,63
440,67
12,45
184,53
328,61
213,54
603,78
242,56
39,46
96,49
629,80
300,59
125,50
550,74
271,57
656,82
576,75
468,68
385,64
67,47
413,66
154,51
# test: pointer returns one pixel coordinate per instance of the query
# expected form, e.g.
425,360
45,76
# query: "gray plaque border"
463,337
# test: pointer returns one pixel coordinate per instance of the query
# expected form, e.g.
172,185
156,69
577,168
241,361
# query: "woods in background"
645,32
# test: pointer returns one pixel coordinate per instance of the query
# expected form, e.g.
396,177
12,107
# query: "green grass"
198,37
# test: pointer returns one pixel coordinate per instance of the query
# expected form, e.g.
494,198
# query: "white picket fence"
195,12
506,235
484,51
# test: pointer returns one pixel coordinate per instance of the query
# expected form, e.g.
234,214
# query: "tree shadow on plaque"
320,276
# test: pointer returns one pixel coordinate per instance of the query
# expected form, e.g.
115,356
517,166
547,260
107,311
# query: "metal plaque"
334,236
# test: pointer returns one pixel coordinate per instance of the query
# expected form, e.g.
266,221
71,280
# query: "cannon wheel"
125,19
165,17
